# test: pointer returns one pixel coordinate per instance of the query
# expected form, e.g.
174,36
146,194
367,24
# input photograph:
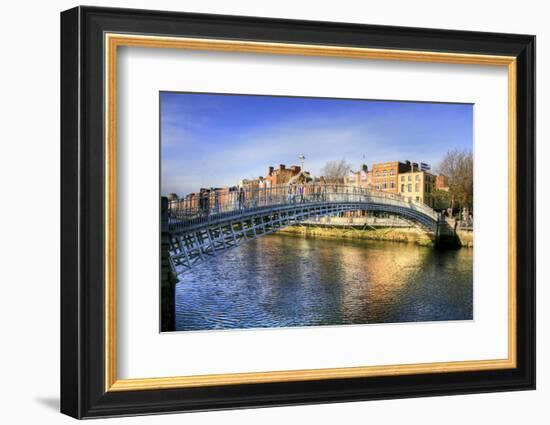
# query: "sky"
213,140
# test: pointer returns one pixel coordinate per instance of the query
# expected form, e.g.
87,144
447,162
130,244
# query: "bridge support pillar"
445,235
168,279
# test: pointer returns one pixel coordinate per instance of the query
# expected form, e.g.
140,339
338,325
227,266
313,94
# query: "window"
409,178
378,174
402,178
409,187
417,198
402,188
416,187
392,173
417,177
384,173
385,185
392,185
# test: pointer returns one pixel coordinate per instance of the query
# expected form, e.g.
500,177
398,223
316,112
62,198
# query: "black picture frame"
83,392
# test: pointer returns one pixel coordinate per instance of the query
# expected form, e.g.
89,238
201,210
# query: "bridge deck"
197,234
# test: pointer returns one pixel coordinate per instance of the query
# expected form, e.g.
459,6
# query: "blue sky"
210,140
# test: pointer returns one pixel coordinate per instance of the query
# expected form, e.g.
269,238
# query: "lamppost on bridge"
302,159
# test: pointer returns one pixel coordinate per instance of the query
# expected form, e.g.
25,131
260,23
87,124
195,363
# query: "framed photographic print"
261,212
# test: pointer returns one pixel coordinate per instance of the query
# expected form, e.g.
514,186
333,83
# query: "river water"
280,281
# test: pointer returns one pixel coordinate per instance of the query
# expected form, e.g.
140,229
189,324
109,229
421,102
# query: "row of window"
409,187
409,178
385,173
427,187
390,185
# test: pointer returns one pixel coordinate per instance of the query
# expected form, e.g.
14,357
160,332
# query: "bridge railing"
213,204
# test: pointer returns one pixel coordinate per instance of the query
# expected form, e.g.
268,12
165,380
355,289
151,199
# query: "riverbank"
409,235
391,234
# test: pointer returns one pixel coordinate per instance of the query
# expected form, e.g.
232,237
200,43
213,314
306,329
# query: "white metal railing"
212,204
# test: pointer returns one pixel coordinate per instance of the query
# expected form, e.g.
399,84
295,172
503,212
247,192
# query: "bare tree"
458,166
335,171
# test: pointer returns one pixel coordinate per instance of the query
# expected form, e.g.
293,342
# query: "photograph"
285,211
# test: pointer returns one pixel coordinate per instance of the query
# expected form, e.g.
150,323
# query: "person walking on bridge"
241,198
301,193
289,194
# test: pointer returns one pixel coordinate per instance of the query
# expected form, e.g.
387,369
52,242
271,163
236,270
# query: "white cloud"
248,153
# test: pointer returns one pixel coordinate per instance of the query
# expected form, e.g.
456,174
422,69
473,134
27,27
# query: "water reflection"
280,281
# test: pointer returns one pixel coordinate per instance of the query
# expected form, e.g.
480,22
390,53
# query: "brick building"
281,175
385,174
251,184
205,199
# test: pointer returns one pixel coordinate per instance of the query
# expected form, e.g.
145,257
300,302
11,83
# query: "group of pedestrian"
464,216
296,193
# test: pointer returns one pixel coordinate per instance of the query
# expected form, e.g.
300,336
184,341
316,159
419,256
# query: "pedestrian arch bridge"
203,226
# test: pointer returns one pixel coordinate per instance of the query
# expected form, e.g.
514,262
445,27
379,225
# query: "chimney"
269,171
281,166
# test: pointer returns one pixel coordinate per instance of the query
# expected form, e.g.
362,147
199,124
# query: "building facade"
417,186
385,175
361,178
281,175
207,199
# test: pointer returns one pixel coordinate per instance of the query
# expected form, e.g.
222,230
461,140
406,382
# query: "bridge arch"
198,232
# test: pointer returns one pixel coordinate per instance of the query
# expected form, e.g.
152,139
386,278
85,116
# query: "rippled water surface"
280,281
